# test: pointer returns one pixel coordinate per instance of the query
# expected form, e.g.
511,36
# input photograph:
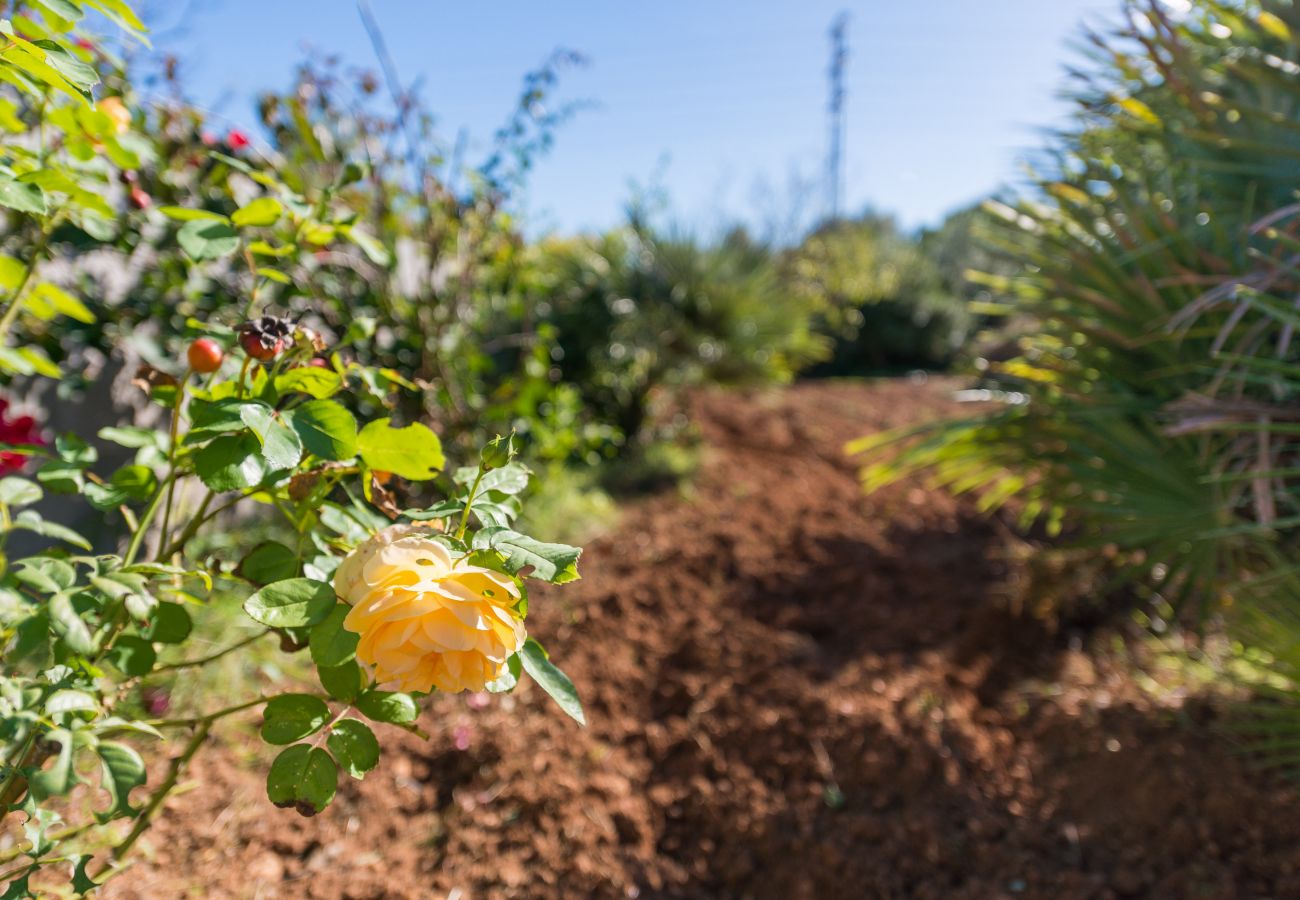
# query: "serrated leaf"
326,429
291,717
292,603
330,643
413,452
313,381
304,778
556,563
231,463
341,682
268,562
281,446
552,680
353,746
387,706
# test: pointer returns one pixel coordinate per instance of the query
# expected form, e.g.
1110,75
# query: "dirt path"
794,691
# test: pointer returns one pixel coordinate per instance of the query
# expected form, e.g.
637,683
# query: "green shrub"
878,294
1152,404
635,312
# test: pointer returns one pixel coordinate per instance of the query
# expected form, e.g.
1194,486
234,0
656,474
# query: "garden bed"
793,690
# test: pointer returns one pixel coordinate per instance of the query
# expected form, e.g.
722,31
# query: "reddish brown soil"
794,691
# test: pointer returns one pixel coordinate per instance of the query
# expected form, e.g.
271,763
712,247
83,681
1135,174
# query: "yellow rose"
425,619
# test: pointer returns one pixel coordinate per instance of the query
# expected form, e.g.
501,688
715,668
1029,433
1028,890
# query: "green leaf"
262,211
79,73
212,418
69,625
23,197
552,680
327,429
354,747
268,562
171,624
341,682
188,214
61,302
556,563
133,655
370,246
123,770
70,701
45,574
119,12
82,883
129,483
231,463
413,452
292,603
291,717
331,644
386,706
30,520
15,491
19,888
61,775
312,380
64,9
204,239
280,444
304,778
132,437
508,479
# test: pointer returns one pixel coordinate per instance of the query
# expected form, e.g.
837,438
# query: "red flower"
86,44
21,430
209,139
237,139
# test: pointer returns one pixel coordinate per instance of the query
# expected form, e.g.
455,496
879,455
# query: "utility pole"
835,153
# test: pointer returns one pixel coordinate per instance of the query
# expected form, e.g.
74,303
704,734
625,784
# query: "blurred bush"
1151,408
881,295
635,311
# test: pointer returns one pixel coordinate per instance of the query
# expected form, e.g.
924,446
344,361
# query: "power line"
835,153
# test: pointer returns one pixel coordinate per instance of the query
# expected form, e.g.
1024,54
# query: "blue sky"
721,103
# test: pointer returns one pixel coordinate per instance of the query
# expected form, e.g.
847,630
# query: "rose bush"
263,419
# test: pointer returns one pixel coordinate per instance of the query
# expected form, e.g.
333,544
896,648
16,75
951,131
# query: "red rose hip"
205,355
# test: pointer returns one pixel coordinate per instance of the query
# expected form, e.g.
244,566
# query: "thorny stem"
212,657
